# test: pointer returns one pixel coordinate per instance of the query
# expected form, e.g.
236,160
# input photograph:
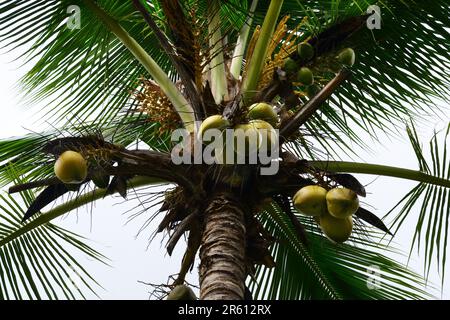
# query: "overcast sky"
133,259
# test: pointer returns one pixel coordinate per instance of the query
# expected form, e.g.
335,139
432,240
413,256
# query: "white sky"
133,260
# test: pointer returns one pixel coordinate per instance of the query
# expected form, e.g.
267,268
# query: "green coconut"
337,230
310,200
342,202
71,168
347,57
263,111
290,66
181,292
305,76
212,122
312,90
305,51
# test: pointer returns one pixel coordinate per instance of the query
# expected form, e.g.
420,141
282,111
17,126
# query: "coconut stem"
238,54
179,102
216,65
262,45
375,169
312,105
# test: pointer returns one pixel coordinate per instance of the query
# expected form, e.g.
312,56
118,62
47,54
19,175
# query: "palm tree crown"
315,73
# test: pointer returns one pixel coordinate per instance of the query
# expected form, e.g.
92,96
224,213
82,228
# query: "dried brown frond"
157,106
181,31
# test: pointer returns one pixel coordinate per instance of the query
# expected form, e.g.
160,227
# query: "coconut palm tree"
120,72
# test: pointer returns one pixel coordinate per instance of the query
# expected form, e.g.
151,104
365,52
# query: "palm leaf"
86,72
323,270
402,70
42,263
433,202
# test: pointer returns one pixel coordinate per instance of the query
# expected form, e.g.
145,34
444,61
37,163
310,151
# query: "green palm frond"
326,271
402,70
433,202
100,71
23,153
87,72
41,264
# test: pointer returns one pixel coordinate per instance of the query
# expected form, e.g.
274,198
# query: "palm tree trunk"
222,252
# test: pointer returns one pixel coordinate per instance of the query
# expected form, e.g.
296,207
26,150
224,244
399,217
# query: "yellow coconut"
337,230
221,155
267,133
263,111
213,122
247,139
310,200
342,202
182,292
71,167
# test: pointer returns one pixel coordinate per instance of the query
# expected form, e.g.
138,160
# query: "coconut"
310,200
181,292
305,76
248,134
267,133
342,202
263,111
347,57
221,154
337,230
290,66
213,122
305,51
312,90
71,167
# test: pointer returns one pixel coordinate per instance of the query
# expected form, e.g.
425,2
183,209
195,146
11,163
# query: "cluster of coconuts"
332,209
71,168
304,75
262,119
305,52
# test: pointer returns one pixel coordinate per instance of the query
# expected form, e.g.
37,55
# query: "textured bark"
222,252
